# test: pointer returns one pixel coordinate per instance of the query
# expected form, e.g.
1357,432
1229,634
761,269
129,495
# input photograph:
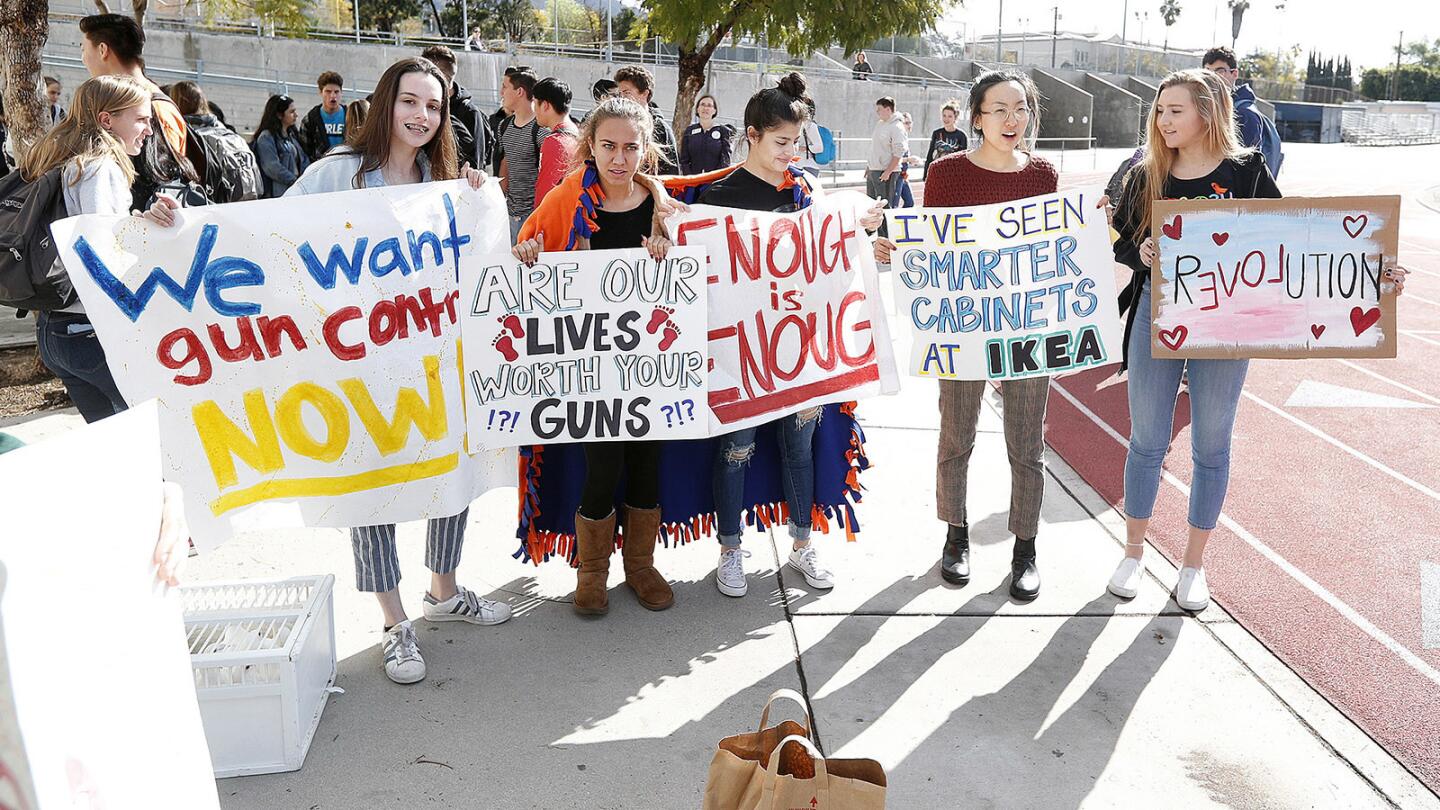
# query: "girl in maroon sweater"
1005,109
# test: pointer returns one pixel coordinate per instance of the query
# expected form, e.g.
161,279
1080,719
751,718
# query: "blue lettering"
397,259
454,241
417,248
1064,246
216,276
324,275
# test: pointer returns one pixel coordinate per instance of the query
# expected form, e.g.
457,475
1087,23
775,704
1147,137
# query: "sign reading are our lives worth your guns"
1285,278
585,346
1017,289
304,350
795,318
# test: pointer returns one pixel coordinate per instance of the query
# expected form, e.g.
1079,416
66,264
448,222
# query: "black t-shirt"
741,189
1221,185
944,142
623,229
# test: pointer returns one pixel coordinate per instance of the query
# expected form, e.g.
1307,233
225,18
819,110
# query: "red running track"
1332,510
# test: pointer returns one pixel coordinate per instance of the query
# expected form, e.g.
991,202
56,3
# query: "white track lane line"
1381,377
1420,337
1320,591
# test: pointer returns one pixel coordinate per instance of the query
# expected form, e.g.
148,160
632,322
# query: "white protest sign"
1017,289
795,312
585,346
97,674
305,351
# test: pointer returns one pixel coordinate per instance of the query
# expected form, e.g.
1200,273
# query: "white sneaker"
1125,582
403,663
1191,592
730,573
807,562
465,606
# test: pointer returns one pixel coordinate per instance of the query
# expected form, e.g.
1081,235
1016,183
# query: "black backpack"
31,275
236,173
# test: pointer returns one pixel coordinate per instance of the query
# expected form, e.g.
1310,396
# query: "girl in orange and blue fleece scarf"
553,475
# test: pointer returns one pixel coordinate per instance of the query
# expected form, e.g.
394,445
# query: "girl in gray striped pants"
406,139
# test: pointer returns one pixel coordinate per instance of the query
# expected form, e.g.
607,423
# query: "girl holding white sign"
609,204
1192,152
406,139
108,123
1005,109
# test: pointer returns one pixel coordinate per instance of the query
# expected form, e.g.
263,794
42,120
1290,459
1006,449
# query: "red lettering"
693,225
386,321
740,260
272,328
248,348
331,331
851,298
1214,299
1245,264
772,359
780,230
194,352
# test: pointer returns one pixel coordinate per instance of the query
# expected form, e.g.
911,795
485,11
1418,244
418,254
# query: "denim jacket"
336,172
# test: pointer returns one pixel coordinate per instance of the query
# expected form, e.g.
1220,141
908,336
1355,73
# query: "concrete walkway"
969,700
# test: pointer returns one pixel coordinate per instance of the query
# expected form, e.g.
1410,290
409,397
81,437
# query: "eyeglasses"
1001,113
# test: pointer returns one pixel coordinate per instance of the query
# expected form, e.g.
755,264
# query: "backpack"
31,275
827,147
1270,145
191,178
237,172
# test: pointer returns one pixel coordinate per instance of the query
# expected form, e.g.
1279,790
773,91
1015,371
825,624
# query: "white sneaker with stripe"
402,660
465,606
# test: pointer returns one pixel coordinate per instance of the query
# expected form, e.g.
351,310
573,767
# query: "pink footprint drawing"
657,318
503,345
512,325
672,332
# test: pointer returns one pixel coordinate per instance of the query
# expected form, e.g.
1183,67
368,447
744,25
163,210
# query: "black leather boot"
1024,576
955,559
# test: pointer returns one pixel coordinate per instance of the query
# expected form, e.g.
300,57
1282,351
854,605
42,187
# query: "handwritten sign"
305,351
106,717
1019,289
1298,277
794,309
585,346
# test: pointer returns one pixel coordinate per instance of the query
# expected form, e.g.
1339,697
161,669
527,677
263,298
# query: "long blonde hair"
1211,98
618,107
80,137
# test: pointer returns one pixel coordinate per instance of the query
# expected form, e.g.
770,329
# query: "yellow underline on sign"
339,485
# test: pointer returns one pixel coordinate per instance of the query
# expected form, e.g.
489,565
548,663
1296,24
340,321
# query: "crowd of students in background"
126,145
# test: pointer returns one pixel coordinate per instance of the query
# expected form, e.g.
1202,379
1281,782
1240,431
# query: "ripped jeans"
796,434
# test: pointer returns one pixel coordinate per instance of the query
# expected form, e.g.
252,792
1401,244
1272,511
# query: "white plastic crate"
263,655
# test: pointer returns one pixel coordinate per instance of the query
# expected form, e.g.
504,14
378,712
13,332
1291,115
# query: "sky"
1331,27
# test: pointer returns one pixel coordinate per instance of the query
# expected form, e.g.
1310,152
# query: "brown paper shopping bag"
837,784
737,777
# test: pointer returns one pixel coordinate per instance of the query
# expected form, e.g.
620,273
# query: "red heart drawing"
1172,338
1172,230
1317,329
1220,238
1362,319
1359,222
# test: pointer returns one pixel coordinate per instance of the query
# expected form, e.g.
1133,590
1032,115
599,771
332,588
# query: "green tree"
287,14
1169,12
386,15
1237,15
1276,66
697,27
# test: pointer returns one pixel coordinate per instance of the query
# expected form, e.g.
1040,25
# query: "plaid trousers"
1024,414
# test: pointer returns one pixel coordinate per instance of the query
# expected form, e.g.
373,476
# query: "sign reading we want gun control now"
1286,278
304,350
795,318
1007,291
585,346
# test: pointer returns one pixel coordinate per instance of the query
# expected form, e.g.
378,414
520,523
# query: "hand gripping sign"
1019,289
305,351
794,309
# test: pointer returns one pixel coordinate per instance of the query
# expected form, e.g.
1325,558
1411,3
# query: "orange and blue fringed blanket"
551,476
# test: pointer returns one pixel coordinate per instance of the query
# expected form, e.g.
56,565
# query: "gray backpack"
31,275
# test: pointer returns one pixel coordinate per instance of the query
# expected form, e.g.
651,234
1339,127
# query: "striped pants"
1024,414
377,567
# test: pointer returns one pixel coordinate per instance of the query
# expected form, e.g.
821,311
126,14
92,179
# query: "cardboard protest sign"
585,346
97,697
1018,289
1296,277
305,351
794,312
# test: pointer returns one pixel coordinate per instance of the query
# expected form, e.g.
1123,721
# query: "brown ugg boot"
594,542
642,527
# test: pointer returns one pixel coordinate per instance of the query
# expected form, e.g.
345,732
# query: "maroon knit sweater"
954,181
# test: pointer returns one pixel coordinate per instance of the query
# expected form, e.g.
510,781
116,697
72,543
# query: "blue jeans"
72,352
903,197
796,434
1154,386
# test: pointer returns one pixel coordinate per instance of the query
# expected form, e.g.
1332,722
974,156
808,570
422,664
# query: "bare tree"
102,6
24,27
138,7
